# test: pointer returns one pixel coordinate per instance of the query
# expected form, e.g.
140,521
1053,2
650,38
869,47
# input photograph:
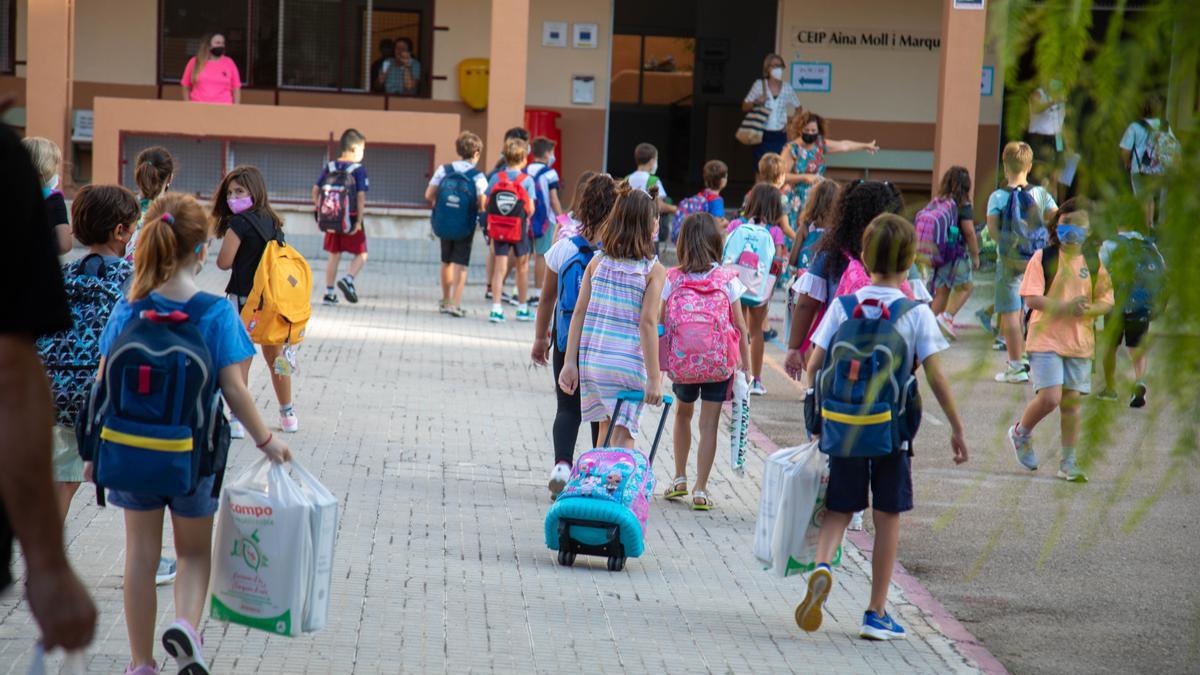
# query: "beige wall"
550,68
874,83
115,41
19,38
469,23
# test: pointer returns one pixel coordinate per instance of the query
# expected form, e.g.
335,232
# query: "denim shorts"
1008,288
953,275
199,504
889,480
1047,369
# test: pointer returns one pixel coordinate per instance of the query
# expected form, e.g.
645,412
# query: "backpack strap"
541,172
199,304
582,243
449,169
849,304
1049,267
259,228
900,307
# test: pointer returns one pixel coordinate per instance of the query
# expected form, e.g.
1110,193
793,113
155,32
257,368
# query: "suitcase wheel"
616,563
566,558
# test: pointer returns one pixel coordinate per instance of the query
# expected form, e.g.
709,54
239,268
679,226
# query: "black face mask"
809,138
217,52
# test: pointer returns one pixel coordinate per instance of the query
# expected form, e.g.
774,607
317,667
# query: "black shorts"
715,392
888,478
518,249
1133,331
457,251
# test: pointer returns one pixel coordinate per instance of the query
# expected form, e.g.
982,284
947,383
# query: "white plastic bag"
73,662
801,510
768,500
273,552
739,423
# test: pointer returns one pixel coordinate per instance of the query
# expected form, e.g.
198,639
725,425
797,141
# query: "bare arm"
648,328
798,245
945,398
967,227
568,379
993,227
850,146
555,205
431,193
362,213
545,313
62,233
802,317
316,196
814,362
1127,158
739,320
788,232
229,249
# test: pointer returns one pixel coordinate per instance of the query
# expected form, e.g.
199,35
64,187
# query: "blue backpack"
541,209
1022,228
866,402
155,422
455,212
1140,276
570,278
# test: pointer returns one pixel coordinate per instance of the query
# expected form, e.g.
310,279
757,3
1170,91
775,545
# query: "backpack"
541,207
1159,152
570,279
454,212
697,203
750,250
699,339
855,278
939,241
1140,276
280,303
866,401
508,209
338,199
155,421
1022,230
72,357
808,249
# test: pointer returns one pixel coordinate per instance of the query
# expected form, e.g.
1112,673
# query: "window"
338,45
8,35
653,70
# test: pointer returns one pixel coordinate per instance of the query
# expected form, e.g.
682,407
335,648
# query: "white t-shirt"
639,179
779,108
543,184
461,166
735,289
917,326
1049,122
558,255
998,201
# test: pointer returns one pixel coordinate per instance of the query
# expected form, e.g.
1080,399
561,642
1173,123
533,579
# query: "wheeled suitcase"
603,509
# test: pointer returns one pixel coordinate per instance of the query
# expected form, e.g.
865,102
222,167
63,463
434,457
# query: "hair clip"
167,218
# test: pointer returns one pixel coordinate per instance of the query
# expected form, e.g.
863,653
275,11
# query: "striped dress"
610,349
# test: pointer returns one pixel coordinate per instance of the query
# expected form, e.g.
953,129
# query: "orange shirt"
1071,336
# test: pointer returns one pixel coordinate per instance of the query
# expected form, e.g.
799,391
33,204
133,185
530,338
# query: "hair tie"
167,218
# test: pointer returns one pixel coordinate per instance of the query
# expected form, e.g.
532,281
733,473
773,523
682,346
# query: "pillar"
506,83
957,134
49,71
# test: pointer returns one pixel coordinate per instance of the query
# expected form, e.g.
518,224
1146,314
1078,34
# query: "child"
818,215
172,251
646,179
520,133
889,247
708,200
546,206
46,157
566,261
1066,287
568,223
353,145
1015,221
614,340
246,223
771,171
763,207
1138,268
104,218
153,171
953,281
511,253
456,254
699,247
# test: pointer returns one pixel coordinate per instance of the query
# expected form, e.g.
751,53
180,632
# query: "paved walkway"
435,432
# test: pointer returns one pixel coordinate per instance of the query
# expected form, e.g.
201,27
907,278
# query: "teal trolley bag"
604,507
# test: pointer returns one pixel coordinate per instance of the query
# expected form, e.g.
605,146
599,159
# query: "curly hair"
859,204
595,202
956,185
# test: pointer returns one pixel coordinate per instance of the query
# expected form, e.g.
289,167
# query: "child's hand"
1078,306
958,443
653,393
568,379
276,450
793,363
541,351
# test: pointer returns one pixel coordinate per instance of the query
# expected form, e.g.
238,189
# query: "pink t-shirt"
216,83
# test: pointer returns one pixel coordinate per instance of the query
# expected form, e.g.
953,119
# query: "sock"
286,409
329,290
1023,432
348,277
1068,454
1017,365
949,317
497,308
523,307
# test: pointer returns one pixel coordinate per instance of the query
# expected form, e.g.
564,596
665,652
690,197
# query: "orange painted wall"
114,115
509,55
48,74
958,89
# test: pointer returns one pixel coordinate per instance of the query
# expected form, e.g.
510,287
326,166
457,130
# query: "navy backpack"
155,422
570,278
457,206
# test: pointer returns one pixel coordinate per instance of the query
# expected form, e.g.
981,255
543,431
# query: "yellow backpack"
280,303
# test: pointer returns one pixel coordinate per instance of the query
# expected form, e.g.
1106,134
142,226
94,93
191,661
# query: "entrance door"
679,72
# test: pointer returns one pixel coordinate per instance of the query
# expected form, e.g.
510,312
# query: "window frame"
12,39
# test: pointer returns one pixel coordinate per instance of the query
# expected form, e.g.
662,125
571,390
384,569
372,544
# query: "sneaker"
757,388
183,644
533,302
1000,345
524,315
166,572
141,670
559,476
947,327
808,612
856,522
875,627
1023,448
346,285
769,335
1107,395
985,320
496,317
456,311
1013,375
443,307
329,299
1138,400
510,298
1070,473
487,295
288,422
236,430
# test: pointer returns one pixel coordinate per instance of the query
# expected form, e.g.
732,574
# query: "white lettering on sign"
812,76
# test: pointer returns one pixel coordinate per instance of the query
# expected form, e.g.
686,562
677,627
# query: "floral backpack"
699,342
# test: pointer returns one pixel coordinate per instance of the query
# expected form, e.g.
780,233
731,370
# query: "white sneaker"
856,522
1013,375
288,422
236,430
945,323
167,569
757,388
559,476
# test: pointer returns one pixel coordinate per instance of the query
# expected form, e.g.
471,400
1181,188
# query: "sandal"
678,488
701,501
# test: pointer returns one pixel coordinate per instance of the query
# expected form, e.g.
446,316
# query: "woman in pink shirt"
210,76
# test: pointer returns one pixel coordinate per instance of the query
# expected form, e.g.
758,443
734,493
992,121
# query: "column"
506,83
49,71
957,133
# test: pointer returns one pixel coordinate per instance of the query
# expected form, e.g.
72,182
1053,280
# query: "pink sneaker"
141,670
946,323
183,643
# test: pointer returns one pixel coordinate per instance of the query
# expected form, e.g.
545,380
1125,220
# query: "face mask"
551,159
777,73
239,204
218,52
653,169
1071,235
808,138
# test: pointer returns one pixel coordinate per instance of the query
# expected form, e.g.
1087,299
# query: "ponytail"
175,226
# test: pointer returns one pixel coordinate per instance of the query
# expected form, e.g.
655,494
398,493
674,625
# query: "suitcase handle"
634,396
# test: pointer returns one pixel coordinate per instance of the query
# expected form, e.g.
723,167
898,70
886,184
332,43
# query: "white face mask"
777,73
550,159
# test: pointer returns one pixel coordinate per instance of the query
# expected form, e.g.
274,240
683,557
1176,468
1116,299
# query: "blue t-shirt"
715,207
222,330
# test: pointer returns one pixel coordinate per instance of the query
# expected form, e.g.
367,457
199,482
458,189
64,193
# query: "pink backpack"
700,340
856,278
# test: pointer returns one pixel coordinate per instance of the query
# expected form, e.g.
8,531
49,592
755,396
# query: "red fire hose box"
541,122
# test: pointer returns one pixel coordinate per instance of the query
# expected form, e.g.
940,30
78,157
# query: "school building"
102,78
